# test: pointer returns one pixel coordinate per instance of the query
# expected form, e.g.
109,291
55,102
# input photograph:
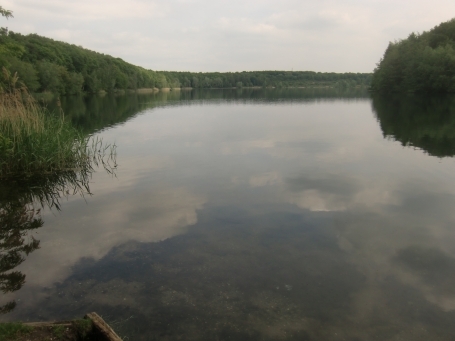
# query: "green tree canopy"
421,63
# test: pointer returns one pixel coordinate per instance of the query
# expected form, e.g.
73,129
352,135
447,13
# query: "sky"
234,35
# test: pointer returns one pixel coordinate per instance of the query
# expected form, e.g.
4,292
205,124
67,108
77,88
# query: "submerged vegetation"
421,63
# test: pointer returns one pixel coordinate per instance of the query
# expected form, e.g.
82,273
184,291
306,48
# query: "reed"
35,141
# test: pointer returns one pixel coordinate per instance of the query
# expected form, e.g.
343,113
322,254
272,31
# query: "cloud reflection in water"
307,197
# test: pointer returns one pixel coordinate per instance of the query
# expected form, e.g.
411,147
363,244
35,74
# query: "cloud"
205,35
86,10
245,25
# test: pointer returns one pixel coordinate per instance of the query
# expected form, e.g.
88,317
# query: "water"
253,215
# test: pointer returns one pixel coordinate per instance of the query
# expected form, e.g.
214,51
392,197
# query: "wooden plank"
103,327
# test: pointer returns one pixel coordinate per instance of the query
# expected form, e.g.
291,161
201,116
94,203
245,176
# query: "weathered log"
103,327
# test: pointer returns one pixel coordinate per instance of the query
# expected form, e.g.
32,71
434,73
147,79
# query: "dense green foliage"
421,63
425,122
44,64
47,65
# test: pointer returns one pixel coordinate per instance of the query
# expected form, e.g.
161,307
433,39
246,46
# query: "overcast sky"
234,35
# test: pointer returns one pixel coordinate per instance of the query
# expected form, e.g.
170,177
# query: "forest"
422,63
45,65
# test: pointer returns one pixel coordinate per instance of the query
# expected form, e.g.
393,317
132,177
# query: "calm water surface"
254,215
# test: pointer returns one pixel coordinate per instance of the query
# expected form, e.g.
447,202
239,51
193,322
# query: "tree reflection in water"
424,122
16,222
21,202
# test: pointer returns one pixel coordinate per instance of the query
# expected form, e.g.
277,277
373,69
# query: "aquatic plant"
33,140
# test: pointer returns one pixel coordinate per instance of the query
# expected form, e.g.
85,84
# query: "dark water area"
259,214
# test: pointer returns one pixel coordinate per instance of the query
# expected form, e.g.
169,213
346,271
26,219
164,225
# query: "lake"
253,214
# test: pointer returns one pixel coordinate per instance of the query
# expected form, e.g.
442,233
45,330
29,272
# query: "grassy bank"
76,330
91,328
34,141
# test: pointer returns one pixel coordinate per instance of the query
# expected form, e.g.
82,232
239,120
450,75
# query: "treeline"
46,65
421,63
266,79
